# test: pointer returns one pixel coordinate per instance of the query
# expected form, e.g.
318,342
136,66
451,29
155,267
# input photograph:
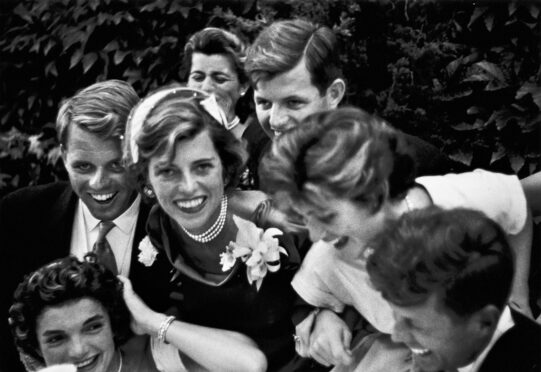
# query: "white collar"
504,323
124,222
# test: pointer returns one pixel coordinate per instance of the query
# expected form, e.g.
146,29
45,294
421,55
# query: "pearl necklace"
215,229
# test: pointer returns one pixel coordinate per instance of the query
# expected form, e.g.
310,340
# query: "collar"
124,222
504,323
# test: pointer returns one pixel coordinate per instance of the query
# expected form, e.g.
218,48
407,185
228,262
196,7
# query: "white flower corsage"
148,252
257,248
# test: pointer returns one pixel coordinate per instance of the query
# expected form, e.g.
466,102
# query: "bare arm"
532,190
521,244
214,349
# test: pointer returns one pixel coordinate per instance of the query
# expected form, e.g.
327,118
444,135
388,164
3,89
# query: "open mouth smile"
103,198
419,352
192,205
86,362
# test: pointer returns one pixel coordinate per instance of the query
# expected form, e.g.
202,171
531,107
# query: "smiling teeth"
190,203
102,197
420,352
86,362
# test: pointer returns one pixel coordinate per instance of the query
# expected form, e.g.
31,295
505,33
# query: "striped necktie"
102,249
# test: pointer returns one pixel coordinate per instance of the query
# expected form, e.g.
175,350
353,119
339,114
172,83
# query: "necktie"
102,249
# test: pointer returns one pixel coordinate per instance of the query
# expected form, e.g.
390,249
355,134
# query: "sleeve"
310,281
499,196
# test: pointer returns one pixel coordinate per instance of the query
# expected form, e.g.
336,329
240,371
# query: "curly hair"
212,40
178,115
345,152
460,253
101,108
62,281
283,44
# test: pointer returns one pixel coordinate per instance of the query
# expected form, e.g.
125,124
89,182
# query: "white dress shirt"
120,238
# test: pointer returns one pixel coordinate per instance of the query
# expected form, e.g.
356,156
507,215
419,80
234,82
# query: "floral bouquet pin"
257,248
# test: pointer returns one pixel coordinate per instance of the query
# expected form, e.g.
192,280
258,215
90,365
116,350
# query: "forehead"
188,150
80,140
295,82
432,310
212,63
68,316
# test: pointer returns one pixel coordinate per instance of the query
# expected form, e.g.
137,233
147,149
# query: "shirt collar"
504,323
124,222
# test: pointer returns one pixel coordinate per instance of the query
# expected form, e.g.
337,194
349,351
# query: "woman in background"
215,62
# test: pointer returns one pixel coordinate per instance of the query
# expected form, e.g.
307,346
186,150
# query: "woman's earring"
149,193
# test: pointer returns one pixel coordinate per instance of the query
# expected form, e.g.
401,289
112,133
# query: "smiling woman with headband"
231,274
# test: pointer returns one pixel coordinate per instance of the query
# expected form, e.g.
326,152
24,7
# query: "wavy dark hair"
345,152
61,281
461,254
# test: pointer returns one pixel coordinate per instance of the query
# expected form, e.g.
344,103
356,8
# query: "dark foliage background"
465,76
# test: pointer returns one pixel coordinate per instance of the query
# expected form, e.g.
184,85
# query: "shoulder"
41,192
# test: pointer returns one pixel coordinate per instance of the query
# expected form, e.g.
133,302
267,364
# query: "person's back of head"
101,108
283,44
461,254
345,152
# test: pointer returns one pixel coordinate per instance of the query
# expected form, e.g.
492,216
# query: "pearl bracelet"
164,327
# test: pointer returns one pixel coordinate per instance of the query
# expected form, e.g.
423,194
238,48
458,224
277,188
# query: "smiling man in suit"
42,223
447,276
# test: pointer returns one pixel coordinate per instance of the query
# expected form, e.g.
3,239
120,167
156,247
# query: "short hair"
176,116
460,254
102,109
212,40
345,152
63,281
282,45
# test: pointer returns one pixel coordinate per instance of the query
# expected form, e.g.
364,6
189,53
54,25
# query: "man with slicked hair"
41,223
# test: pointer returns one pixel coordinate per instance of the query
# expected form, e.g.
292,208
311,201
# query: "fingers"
303,330
330,350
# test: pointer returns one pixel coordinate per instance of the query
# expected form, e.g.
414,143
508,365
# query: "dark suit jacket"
517,350
35,228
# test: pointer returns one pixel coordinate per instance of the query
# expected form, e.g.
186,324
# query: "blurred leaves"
465,77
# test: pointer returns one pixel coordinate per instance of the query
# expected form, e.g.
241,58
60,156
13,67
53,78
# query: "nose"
99,179
77,348
188,184
207,85
401,333
278,117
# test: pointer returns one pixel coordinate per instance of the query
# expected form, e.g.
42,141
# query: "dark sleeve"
429,160
257,143
9,358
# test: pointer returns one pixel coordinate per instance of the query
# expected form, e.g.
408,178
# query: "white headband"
141,111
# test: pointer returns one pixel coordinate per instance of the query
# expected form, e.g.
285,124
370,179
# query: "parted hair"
213,40
283,44
344,152
102,109
60,282
176,117
460,254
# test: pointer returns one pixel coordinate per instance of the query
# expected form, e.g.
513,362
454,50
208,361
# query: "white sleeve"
310,281
499,196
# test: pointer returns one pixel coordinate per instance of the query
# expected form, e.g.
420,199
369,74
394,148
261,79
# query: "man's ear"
486,320
63,153
335,93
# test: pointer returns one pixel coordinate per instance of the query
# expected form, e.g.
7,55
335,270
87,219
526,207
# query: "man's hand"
329,339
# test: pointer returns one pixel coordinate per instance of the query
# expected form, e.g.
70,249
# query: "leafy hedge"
465,76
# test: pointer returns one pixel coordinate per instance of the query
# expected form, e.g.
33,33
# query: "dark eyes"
82,167
264,104
52,340
294,103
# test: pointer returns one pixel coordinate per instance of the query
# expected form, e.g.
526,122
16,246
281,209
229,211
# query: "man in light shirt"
42,223
447,276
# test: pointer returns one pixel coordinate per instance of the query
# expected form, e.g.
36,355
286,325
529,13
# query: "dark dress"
233,304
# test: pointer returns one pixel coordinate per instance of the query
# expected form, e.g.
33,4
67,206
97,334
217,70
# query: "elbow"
256,363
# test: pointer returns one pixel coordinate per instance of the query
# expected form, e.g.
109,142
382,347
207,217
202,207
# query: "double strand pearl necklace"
215,229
